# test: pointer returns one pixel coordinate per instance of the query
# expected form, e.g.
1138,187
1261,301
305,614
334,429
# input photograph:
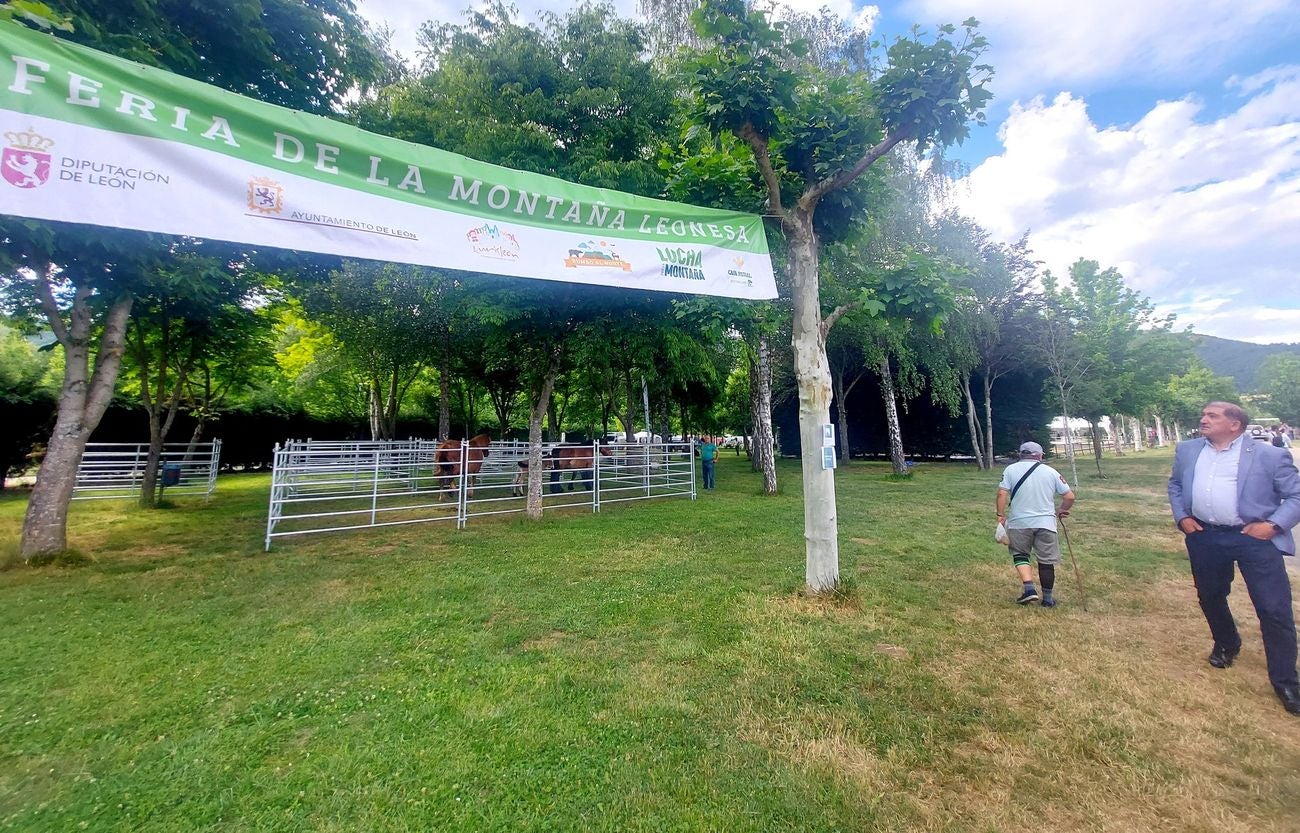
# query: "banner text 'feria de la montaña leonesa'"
90,138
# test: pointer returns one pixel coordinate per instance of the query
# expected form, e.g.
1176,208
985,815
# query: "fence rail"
116,470
337,486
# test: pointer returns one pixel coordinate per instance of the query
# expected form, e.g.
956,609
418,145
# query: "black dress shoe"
1290,697
1221,657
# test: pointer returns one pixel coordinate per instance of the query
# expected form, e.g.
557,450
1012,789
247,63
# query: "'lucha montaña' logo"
26,162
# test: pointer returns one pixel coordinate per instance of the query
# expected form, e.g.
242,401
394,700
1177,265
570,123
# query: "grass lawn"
651,668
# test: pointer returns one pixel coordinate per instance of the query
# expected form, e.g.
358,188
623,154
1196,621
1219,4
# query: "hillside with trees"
1239,359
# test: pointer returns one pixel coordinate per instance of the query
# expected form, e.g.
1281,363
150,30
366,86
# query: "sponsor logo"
600,255
681,263
108,174
490,240
265,196
26,162
738,274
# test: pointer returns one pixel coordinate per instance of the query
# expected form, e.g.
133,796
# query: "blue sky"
1161,137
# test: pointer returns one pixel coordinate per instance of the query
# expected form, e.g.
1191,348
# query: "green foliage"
304,54
22,367
745,82
1184,395
930,92
576,98
1280,381
35,14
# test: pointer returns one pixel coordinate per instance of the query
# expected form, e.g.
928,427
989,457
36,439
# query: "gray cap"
1030,447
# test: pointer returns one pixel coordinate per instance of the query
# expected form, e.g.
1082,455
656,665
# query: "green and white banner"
89,138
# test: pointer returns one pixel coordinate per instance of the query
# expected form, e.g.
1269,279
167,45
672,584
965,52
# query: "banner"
90,138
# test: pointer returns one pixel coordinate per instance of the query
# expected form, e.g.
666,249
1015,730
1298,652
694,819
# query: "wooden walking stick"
1078,578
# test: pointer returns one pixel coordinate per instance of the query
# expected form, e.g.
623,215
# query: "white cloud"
1040,45
1199,215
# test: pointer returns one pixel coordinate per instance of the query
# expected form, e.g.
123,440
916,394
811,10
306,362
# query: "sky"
1160,137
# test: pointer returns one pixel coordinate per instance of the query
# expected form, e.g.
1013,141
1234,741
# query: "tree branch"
51,309
758,146
109,359
836,314
821,189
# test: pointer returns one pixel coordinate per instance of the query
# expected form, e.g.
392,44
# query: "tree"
1098,340
1280,375
997,280
389,319
25,402
812,136
193,306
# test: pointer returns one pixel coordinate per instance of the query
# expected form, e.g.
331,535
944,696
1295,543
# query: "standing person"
1027,507
1236,500
708,452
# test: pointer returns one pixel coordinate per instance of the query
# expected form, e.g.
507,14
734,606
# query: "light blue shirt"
1034,506
1214,484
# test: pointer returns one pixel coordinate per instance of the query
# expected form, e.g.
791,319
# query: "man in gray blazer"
1236,501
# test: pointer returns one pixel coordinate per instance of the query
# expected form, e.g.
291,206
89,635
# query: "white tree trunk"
1138,428
82,402
764,453
896,456
812,371
988,418
1160,432
536,476
973,424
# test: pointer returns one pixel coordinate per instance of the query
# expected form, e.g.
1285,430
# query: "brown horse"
574,458
447,460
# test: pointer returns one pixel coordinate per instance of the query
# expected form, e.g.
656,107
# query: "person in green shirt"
707,451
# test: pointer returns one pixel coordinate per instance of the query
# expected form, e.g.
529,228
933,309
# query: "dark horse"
574,458
448,462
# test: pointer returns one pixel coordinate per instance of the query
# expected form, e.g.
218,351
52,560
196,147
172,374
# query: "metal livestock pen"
334,486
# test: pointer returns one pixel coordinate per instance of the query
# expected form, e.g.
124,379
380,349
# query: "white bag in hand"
1000,534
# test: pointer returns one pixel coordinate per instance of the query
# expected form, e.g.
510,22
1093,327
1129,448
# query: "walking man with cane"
1235,501
1027,508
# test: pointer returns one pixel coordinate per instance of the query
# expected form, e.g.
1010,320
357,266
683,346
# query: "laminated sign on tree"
90,138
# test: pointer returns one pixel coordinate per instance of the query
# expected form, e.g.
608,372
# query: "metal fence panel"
116,470
336,486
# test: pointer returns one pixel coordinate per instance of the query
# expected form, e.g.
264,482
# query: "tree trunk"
821,525
1069,434
837,381
988,418
896,456
1117,438
629,412
973,423
1160,432
764,453
444,404
159,428
82,402
376,426
536,476
1096,445
1138,428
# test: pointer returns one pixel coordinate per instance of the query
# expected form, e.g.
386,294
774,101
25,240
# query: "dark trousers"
1213,554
